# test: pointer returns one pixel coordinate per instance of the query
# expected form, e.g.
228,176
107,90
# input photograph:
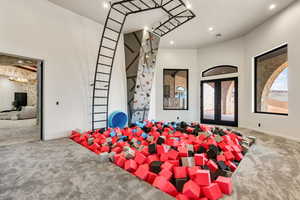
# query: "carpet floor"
18,131
62,169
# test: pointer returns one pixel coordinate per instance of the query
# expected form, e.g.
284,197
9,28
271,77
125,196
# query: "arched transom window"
220,70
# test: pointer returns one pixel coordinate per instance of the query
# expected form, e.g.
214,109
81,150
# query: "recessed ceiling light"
146,28
188,5
20,61
172,42
211,28
105,5
272,6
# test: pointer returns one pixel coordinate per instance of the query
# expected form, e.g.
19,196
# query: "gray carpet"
271,170
62,169
18,131
9,136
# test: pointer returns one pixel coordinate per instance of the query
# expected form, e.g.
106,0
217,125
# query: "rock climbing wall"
141,49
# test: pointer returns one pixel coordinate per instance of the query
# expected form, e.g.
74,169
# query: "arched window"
271,70
220,70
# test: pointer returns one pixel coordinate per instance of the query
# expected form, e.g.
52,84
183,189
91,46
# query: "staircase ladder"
177,15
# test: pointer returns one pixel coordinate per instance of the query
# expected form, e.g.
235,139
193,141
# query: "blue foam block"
117,119
144,135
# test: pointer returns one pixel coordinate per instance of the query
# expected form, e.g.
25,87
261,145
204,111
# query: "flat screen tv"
21,98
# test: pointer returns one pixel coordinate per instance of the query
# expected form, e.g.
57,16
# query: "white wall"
68,43
280,29
225,53
182,59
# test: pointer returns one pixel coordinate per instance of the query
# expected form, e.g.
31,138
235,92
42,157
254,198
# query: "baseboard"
273,133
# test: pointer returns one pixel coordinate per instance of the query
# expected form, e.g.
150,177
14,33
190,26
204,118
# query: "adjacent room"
19,100
149,99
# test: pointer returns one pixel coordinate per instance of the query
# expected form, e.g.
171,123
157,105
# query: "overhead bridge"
176,15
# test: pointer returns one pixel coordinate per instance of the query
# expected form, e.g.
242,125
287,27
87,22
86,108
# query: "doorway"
219,101
21,99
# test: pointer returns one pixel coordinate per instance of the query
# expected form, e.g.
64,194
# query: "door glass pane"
227,100
209,100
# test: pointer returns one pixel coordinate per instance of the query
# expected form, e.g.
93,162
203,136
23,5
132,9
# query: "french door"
219,101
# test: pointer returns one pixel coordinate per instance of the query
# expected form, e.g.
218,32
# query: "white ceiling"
231,18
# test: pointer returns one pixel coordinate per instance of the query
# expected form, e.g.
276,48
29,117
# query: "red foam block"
192,171
212,165
221,158
140,158
173,155
130,165
180,172
142,171
183,152
174,162
166,173
181,197
191,190
212,192
200,159
225,184
120,161
151,177
163,184
202,177
160,149
203,198
152,158
231,165
164,157
228,155
167,165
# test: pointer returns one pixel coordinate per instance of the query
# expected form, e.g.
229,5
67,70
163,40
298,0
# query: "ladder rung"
102,81
115,21
108,48
101,89
118,11
109,39
103,73
100,105
126,7
106,56
100,97
134,5
175,8
104,64
168,3
144,3
99,113
112,30
99,121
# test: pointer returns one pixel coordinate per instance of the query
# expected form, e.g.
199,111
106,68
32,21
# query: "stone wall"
9,87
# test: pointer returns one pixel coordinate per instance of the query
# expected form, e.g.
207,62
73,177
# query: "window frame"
219,66
255,80
187,86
